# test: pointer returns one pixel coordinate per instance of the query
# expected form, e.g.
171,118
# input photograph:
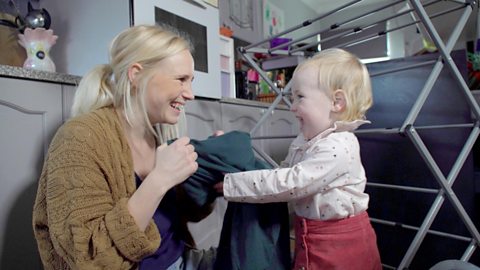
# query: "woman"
105,196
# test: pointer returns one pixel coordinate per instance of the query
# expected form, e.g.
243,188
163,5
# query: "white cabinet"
206,116
30,113
203,118
244,118
68,92
281,123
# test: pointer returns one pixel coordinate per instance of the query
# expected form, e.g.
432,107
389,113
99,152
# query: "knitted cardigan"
80,216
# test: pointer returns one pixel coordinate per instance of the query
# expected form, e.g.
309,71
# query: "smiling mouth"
177,106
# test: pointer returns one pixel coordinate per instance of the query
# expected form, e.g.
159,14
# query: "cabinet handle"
262,111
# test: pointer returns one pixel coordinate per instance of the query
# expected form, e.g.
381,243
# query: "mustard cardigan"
80,216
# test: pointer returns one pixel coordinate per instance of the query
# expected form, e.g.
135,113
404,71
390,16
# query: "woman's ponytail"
94,91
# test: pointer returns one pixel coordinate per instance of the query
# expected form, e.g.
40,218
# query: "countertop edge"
38,75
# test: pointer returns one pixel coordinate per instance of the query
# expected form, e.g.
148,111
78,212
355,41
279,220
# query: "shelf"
282,62
227,68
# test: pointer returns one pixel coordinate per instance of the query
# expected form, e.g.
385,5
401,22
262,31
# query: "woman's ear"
339,101
133,71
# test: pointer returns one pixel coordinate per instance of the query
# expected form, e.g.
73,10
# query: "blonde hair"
109,84
339,69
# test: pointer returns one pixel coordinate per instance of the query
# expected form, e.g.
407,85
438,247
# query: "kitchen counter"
247,102
37,75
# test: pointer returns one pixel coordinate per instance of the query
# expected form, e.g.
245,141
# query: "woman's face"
311,105
170,88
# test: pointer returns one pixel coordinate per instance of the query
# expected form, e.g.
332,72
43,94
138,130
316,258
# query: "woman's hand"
174,163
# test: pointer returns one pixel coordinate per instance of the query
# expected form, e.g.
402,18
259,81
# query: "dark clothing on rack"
254,236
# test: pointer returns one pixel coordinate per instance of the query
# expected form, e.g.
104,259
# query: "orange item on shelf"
268,98
226,31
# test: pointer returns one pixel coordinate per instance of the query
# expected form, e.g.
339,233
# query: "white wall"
444,25
295,13
85,29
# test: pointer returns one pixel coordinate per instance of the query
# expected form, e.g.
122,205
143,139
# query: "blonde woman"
105,197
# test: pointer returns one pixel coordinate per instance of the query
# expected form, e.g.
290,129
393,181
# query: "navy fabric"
171,246
254,236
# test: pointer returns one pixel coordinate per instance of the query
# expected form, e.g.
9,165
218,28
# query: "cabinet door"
68,92
206,233
203,118
281,123
30,113
243,118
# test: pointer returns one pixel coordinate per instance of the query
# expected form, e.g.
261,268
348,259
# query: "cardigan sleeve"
317,172
88,219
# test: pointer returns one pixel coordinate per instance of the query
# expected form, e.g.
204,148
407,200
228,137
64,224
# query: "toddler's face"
311,105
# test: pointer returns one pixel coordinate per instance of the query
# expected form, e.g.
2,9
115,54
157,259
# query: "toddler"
322,176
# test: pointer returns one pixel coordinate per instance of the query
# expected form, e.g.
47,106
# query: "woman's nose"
188,93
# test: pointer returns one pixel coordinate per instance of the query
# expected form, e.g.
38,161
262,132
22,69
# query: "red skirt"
344,244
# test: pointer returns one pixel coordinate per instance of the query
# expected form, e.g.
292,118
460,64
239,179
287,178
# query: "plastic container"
274,42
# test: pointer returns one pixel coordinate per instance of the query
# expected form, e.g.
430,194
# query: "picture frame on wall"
200,24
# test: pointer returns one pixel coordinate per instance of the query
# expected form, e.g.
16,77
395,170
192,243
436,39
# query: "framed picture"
200,24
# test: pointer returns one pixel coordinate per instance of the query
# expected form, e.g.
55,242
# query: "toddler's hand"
218,187
218,133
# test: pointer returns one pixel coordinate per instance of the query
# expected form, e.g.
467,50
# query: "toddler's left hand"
217,133
218,187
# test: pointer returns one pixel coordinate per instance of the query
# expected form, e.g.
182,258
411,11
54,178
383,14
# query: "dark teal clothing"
254,236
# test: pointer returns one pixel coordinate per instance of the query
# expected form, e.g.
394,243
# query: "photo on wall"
196,32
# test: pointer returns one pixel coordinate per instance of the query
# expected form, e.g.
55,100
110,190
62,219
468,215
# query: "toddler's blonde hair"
339,69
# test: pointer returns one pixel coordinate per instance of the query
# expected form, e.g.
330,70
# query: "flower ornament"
37,42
